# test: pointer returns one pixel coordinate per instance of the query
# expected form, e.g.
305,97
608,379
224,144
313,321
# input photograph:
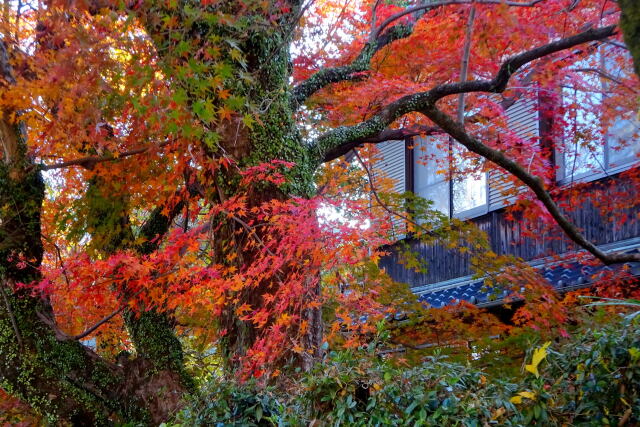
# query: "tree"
123,119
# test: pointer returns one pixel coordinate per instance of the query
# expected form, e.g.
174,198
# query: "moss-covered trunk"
273,135
61,377
58,377
630,24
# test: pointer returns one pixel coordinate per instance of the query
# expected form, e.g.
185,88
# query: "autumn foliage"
176,206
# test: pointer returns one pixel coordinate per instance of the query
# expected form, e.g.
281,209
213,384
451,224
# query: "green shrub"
591,379
223,403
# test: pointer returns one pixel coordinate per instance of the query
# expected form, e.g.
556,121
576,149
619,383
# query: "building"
484,200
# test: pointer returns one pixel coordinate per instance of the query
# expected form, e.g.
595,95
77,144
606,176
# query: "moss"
58,378
20,203
630,24
154,338
276,136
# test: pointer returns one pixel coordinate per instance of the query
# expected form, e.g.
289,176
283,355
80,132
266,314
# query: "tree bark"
630,25
274,136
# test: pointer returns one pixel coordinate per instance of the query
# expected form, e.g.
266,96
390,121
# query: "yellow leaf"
498,413
538,356
517,399
528,394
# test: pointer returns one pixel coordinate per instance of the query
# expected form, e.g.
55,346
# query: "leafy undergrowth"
592,378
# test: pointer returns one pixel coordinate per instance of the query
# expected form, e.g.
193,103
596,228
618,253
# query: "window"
623,142
469,189
431,178
431,170
593,145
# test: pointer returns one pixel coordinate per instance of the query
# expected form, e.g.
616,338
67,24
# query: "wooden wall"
506,238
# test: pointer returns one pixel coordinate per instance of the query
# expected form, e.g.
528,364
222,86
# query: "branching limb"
89,162
328,76
533,182
378,39
418,102
384,136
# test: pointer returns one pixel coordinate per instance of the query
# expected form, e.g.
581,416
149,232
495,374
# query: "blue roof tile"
562,277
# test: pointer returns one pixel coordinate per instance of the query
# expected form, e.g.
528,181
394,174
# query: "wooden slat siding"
393,165
522,120
506,238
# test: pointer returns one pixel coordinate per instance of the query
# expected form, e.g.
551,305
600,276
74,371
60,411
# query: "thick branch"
377,40
89,162
384,136
418,102
328,76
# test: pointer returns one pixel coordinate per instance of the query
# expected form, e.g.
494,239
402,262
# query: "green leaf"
259,413
411,407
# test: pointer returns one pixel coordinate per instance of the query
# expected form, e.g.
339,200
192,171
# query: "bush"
591,379
594,379
224,403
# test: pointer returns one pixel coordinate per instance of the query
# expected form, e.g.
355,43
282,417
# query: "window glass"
623,140
469,192
592,145
583,140
430,171
469,189
430,156
438,194
431,177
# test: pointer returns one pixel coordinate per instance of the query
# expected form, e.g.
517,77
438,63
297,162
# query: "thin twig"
464,67
89,161
433,5
101,322
605,75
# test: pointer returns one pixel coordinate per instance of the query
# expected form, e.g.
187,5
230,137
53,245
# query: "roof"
564,277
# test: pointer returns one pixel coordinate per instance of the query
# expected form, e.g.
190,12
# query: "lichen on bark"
630,25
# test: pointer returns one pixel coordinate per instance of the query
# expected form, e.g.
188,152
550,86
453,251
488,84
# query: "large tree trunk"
64,379
630,24
276,138
275,135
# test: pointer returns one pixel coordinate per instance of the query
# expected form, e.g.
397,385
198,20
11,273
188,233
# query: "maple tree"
165,166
